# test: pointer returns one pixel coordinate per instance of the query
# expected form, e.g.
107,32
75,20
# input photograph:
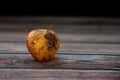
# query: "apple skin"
43,44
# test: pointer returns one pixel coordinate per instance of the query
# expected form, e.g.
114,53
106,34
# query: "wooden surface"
87,52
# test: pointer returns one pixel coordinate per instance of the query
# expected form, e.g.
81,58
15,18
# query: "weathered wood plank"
65,56
20,47
62,74
89,47
65,37
87,52
49,78
15,42
91,62
99,29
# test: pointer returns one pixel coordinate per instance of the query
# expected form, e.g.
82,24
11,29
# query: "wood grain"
89,50
20,47
66,37
66,61
62,74
16,42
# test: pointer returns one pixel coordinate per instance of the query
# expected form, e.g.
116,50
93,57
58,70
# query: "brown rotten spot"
51,40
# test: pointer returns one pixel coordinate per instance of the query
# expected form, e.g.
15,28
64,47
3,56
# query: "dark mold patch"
51,40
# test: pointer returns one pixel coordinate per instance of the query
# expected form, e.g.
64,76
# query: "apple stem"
50,27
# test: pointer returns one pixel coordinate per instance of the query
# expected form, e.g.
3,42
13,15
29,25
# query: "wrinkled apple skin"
42,44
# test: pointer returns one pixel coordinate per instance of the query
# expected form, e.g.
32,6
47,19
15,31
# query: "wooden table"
87,52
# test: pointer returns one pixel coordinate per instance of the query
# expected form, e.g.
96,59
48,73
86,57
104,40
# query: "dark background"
59,8
65,12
